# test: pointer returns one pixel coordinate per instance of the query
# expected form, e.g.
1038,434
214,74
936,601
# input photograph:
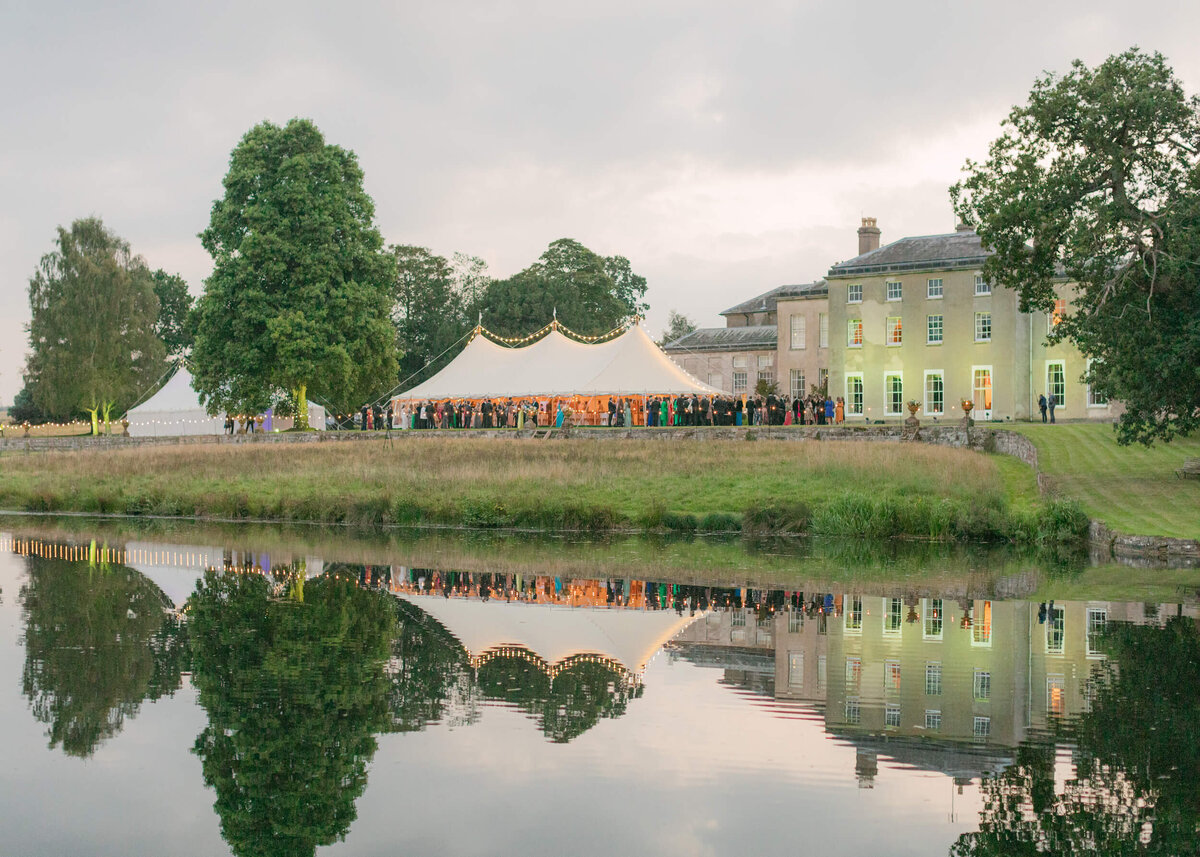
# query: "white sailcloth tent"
176,410
627,365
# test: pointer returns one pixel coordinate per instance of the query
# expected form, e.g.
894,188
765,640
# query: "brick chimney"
868,236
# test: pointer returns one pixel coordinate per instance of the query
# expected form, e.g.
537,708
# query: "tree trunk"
95,415
302,407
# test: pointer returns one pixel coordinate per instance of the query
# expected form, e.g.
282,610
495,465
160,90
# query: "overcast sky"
725,148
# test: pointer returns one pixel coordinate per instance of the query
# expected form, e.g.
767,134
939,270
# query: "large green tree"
591,294
678,325
1097,180
294,683
428,312
174,307
92,337
300,295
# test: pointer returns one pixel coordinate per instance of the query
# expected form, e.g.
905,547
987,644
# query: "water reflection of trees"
98,642
1136,754
431,676
295,687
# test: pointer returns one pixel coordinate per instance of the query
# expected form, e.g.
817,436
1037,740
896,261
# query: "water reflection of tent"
555,365
174,569
555,634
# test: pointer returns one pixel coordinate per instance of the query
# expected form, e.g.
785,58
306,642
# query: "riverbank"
764,487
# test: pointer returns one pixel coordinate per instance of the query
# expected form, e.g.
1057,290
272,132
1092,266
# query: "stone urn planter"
911,424
25,425
124,428
967,405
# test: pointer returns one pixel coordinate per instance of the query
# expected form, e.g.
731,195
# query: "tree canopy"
295,689
678,325
92,326
1097,180
591,294
430,309
300,295
174,307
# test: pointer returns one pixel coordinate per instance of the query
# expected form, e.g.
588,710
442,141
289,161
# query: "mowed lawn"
1132,489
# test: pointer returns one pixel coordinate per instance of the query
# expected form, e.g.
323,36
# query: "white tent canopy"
176,410
628,365
555,633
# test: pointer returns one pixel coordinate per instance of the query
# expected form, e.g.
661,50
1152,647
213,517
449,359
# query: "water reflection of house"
936,684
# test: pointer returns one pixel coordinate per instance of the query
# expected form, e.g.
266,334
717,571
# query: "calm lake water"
265,692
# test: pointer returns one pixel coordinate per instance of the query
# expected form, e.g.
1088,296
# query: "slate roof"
753,338
766,301
919,253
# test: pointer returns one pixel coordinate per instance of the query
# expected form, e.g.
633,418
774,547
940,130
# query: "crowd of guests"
652,412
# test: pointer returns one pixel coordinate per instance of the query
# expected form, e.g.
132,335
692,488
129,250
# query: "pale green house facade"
915,320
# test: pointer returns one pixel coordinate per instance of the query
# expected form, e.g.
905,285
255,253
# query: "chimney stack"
868,236
963,227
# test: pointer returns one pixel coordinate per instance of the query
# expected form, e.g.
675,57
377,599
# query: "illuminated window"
1055,694
981,627
983,327
933,329
854,333
935,398
823,330
1056,382
933,720
854,394
894,290
891,676
933,289
854,671
854,294
895,331
932,608
893,386
982,286
981,383
983,685
933,679
1057,315
799,328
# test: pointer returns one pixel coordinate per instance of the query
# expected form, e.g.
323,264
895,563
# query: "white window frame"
982,287
854,293
983,412
849,396
892,675
896,294
1059,312
927,608
894,325
793,376
941,376
848,607
888,611
850,343
891,715
941,329
1062,369
796,670
981,315
1091,396
1097,616
933,669
740,375
981,685
798,329
982,727
976,626
1056,626
933,719
932,295
823,330
887,394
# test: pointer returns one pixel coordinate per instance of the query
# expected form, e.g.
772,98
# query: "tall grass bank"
768,487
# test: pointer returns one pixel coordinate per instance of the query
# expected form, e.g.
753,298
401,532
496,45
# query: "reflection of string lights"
627,676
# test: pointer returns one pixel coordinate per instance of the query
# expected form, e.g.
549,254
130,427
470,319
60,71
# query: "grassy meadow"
761,487
1132,489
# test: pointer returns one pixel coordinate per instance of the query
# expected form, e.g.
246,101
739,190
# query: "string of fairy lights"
517,341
